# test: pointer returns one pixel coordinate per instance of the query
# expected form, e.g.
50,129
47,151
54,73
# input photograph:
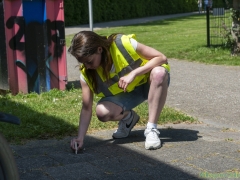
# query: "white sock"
128,116
151,125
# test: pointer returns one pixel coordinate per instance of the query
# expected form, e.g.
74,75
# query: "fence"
220,23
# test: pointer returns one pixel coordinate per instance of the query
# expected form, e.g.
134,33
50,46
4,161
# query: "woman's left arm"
155,58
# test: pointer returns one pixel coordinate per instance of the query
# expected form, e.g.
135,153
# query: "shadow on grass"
34,125
73,84
165,22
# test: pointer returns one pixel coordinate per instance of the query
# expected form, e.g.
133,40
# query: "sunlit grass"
56,114
182,38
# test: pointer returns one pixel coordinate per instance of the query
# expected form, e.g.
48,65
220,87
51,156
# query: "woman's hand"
79,144
125,81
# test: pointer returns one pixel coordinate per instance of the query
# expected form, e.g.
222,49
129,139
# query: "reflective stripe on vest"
103,86
132,64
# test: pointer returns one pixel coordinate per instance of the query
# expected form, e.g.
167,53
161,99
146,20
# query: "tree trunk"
235,31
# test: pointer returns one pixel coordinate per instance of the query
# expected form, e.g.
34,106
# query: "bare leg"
156,99
158,93
108,111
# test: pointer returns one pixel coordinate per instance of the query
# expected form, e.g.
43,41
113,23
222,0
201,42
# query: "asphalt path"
208,92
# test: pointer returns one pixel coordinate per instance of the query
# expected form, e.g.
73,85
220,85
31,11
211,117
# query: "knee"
159,75
102,113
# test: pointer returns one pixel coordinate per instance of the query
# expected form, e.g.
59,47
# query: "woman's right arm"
85,115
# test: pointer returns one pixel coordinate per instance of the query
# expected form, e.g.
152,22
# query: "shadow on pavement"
167,135
104,158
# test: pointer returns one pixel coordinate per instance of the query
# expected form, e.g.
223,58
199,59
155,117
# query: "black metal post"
208,27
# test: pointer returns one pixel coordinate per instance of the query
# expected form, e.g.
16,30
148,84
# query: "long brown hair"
85,44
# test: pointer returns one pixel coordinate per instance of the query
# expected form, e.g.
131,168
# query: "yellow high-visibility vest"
125,59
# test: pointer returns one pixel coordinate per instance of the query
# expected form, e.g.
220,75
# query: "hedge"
76,11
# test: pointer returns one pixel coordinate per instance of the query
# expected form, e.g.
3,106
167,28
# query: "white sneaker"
125,127
152,139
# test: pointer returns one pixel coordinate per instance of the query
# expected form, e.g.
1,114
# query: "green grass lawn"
180,38
56,113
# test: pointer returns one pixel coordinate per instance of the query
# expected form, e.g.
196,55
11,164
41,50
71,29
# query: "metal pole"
90,15
208,28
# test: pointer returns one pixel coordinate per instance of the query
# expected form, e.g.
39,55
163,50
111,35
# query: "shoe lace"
155,130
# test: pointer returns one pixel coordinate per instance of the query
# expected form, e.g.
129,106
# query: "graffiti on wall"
36,48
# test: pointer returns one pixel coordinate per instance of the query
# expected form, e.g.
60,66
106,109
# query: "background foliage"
76,11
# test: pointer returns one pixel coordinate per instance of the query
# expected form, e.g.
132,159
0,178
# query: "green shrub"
76,12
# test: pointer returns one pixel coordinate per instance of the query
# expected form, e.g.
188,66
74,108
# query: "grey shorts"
129,100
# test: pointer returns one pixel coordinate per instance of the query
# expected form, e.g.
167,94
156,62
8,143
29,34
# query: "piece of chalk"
76,151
